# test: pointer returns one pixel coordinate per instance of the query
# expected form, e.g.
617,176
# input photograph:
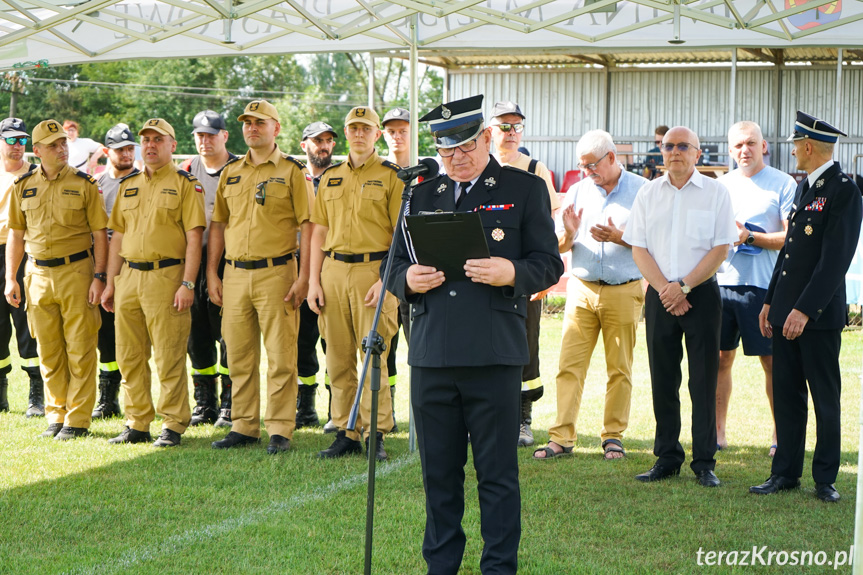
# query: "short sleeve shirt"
80,151
360,206
6,181
57,215
154,214
256,231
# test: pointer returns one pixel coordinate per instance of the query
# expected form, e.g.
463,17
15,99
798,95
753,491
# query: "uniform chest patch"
816,206
277,180
169,191
233,180
29,193
377,183
71,193
199,188
332,182
130,192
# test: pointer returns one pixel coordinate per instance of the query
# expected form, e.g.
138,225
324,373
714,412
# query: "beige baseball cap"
158,125
260,109
48,131
363,115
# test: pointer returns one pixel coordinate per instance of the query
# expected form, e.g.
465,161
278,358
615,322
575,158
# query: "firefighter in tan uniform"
53,211
261,202
355,212
158,220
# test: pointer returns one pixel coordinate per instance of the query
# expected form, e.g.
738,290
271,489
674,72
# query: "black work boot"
380,453
109,395
225,408
4,400
343,445
525,435
307,415
329,426
395,428
36,403
205,396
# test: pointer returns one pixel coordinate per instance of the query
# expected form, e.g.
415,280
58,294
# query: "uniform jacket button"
783,273
820,311
452,293
787,256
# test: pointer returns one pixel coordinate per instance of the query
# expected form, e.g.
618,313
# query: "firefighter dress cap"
455,123
811,127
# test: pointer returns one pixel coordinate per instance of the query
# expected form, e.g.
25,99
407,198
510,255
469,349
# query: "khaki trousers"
254,306
145,317
65,326
345,320
591,308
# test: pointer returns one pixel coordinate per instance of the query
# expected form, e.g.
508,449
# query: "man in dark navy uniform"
468,339
804,310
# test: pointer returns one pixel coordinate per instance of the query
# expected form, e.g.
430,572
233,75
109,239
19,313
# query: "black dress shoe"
706,478
278,444
657,472
826,492
53,429
130,435
774,484
234,439
168,438
67,433
343,445
380,454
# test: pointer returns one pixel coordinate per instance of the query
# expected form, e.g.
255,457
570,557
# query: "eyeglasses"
15,140
261,193
519,128
682,146
465,148
592,166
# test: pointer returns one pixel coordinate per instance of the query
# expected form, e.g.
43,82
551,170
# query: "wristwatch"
102,277
684,288
190,285
750,240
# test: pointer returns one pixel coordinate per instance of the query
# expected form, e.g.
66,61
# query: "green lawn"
89,507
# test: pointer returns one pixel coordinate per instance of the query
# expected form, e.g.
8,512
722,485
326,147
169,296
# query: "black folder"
445,240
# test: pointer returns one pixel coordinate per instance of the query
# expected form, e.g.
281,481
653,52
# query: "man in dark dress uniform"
804,310
468,340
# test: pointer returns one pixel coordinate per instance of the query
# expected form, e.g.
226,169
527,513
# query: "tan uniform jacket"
57,216
154,214
360,206
259,231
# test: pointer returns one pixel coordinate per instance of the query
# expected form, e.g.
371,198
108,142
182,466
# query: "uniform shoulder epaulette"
301,165
391,165
330,168
86,176
188,175
132,175
25,175
231,159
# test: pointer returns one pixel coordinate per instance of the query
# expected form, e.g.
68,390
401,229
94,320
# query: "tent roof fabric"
449,32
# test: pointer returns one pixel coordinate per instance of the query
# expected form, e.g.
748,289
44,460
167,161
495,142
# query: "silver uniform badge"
819,183
844,180
489,182
441,188
445,112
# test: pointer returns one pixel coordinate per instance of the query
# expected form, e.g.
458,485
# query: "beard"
321,160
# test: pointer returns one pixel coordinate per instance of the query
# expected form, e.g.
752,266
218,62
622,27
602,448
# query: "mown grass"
89,507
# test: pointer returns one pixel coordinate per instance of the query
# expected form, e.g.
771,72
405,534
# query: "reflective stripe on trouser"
107,343
145,316
591,308
65,325
344,322
254,309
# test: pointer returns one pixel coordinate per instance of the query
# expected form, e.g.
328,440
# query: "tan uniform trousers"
344,322
591,308
254,307
65,326
145,316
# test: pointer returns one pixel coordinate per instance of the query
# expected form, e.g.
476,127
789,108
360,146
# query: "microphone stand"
374,346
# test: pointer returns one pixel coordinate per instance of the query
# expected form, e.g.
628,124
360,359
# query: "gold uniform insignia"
254,106
497,234
361,112
808,230
53,128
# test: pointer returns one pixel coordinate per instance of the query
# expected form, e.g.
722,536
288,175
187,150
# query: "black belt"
150,266
357,258
605,283
61,261
260,264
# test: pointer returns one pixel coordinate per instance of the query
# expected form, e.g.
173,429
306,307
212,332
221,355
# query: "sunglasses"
261,193
519,128
682,146
16,140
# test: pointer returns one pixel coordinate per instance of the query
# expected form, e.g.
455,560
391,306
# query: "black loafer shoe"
130,435
68,433
774,484
234,439
826,492
342,446
706,478
53,430
168,438
278,444
657,473
380,454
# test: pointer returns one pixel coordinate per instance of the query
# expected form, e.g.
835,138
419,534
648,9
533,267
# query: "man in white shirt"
84,153
680,228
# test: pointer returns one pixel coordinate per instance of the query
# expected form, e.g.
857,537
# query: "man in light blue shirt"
604,294
761,197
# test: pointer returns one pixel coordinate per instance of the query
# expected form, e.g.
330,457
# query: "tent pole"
838,106
371,80
412,437
732,99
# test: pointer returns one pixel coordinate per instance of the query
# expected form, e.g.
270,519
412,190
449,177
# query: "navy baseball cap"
13,127
208,121
396,114
318,128
119,136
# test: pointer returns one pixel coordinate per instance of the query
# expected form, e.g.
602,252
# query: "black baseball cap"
11,127
119,136
318,128
396,114
209,122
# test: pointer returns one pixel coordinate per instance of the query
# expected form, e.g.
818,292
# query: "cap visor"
14,134
458,138
51,138
117,145
206,130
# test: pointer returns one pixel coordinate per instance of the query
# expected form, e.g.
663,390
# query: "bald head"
747,147
681,158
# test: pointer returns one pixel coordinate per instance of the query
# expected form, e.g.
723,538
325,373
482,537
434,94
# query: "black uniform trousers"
18,316
106,342
448,404
814,358
700,326
307,340
531,370
206,331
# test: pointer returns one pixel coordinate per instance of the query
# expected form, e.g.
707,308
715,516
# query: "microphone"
427,167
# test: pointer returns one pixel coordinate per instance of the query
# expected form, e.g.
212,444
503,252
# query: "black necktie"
462,192
803,189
